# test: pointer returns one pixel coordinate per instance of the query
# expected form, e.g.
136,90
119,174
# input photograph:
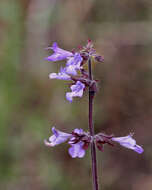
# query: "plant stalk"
91,128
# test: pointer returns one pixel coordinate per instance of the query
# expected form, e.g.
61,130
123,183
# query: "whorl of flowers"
74,68
80,141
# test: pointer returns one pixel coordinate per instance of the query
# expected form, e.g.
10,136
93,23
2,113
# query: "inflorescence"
80,141
74,71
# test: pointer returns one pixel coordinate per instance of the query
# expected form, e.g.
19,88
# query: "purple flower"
77,91
74,64
73,60
128,142
77,140
62,75
58,137
76,149
59,54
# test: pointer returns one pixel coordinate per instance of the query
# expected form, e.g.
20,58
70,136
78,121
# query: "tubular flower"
62,75
74,64
58,137
128,142
77,149
59,54
73,59
78,139
77,91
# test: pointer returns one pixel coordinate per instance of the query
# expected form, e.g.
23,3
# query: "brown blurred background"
30,103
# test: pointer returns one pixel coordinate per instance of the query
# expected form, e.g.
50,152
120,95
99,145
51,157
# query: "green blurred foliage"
30,103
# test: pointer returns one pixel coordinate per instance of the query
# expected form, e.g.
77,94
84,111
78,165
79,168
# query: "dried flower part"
88,51
101,139
99,58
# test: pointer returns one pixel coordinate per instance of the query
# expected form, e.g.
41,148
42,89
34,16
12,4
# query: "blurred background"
30,103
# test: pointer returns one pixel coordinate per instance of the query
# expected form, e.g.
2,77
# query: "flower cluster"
80,141
73,71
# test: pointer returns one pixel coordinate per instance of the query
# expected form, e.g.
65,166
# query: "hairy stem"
91,128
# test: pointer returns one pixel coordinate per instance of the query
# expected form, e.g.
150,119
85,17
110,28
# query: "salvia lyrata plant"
81,79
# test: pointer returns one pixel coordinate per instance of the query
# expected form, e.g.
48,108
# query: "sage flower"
78,139
59,54
73,64
77,149
77,91
62,75
58,137
128,142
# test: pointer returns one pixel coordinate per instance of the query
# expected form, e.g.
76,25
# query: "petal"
125,141
47,143
73,64
72,139
79,131
60,76
128,142
58,137
75,60
58,50
71,70
77,91
59,54
138,149
81,153
52,138
78,86
76,150
54,131
69,96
